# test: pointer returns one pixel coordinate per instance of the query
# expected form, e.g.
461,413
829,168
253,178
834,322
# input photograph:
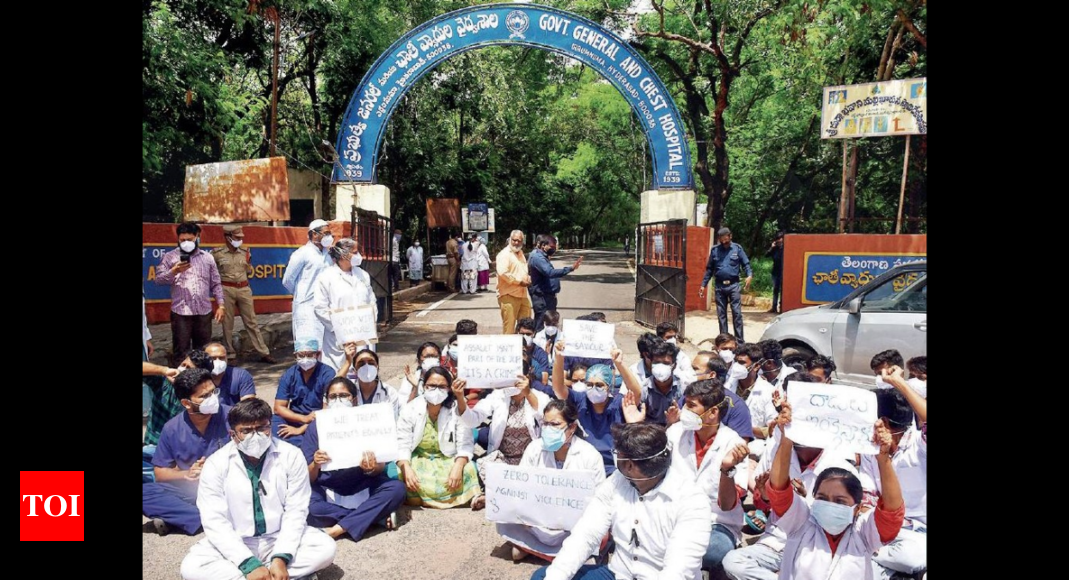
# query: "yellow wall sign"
875,109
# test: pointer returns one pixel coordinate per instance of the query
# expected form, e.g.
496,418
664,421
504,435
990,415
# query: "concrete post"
665,205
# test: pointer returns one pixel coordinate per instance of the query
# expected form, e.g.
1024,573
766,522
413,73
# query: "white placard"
832,417
537,496
588,338
354,324
346,433
489,361
306,325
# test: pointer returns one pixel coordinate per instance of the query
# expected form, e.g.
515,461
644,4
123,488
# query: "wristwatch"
729,473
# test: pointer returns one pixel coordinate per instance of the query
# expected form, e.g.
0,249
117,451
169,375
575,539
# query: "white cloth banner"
832,417
489,361
537,496
345,434
354,324
588,338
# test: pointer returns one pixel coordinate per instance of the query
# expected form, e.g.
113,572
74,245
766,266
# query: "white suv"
889,312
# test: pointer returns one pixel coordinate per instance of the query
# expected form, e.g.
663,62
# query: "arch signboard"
446,36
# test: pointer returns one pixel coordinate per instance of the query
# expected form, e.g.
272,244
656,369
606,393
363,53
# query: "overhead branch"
908,23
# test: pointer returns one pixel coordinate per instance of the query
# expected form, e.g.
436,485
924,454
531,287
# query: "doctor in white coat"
344,285
253,501
304,267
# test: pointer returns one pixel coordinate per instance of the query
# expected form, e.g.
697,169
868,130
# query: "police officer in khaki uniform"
235,266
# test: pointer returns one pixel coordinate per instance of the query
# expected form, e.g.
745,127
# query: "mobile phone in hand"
184,257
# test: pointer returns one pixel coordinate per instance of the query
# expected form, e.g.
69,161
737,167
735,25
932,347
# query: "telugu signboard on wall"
251,190
875,109
829,276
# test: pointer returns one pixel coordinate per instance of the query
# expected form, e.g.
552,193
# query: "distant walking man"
512,283
725,264
235,266
545,280
776,253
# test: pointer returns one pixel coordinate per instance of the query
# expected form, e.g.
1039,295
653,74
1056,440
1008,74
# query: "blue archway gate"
437,40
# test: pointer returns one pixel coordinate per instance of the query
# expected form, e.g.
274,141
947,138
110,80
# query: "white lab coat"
469,260
672,523
483,256
911,466
685,463
336,289
415,258
808,555
305,265
454,438
759,402
496,406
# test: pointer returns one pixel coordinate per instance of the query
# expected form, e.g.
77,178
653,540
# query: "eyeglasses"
261,429
427,387
337,396
305,354
209,394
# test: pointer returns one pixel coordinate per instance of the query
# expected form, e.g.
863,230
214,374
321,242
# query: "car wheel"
797,354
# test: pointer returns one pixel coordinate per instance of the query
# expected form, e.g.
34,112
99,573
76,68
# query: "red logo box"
53,504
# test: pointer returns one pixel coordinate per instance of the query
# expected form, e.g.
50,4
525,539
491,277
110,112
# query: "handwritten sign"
306,325
832,416
587,338
354,324
537,496
345,434
489,361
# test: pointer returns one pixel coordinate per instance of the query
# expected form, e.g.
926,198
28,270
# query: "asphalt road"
437,544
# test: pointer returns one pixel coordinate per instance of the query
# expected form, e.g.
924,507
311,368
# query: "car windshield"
888,286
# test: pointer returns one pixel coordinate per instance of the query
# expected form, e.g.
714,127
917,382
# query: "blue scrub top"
598,427
181,445
236,383
305,397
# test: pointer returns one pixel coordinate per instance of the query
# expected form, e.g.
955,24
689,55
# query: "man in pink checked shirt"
194,280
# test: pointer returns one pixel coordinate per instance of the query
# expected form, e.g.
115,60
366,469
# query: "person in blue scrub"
234,383
598,409
348,500
300,392
185,442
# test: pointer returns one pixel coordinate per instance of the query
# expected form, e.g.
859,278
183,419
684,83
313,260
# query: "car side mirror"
854,306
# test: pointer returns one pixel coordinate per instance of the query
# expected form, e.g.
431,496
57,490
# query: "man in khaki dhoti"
235,266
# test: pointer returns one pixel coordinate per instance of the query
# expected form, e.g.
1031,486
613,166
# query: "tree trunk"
717,190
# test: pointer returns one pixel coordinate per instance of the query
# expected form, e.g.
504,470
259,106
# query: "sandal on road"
755,522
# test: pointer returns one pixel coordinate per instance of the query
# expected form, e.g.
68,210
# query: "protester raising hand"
458,391
633,411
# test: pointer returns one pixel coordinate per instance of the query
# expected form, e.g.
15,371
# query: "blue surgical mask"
552,438
833,517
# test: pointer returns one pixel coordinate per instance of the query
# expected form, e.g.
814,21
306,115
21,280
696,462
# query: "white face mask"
727,356
339,403
435,396
356,259
218,367
737,372
236,243
579,387
690,420
187,246
452,351
306,363
367,373
527,340
670,340
920,386
416,244
662,372
597,395
551,331
510,391
255,444
882,384
327,241
429,363
209,406
833,517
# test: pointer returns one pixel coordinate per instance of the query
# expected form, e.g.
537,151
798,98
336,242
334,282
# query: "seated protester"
737,415
600,317
561,446
659,520
597,413
164,404
515,414
361,366
466,326
525,328
725,345
773,368
185,442
908,456
434,448
234,383
449,357
253,501
428,356
743,377
642,367
668,332
348,500
761,560
918,374
821,367
300,392
545,338
828,539
588,361
663,389
706,451
882,360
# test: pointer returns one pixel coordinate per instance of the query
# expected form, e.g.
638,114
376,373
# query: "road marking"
435,305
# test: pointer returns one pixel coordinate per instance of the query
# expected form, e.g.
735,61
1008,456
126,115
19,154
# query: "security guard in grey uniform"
235,266
725,264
